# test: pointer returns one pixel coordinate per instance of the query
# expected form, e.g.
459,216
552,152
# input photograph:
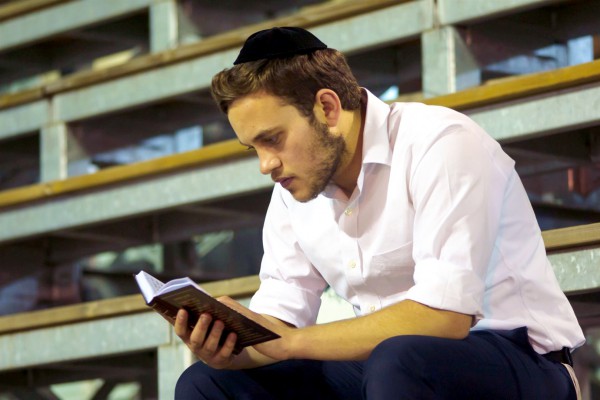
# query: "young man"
410,212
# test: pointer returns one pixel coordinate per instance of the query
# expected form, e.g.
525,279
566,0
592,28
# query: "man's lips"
284,182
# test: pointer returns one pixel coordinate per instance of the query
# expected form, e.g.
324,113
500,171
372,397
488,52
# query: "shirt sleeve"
457,187
291,287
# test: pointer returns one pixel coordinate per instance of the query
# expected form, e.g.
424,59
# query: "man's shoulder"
414,122
426,114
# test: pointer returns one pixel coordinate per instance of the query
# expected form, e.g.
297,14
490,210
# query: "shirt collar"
376,142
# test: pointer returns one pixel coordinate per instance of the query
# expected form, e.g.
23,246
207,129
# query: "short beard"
328,150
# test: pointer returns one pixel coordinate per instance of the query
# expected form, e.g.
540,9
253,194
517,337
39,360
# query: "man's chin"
303,199
302,196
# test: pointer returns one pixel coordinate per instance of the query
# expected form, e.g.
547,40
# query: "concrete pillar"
448,65
53,152
164,26
173,359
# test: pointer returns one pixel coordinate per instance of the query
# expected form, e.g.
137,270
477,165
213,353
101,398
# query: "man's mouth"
285,182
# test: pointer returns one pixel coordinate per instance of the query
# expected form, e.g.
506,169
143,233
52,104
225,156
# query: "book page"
148,284
177,284
152,287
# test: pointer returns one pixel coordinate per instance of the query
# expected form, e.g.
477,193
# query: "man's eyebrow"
261,135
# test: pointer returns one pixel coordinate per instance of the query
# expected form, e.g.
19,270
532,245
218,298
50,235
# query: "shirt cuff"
286,302
446,286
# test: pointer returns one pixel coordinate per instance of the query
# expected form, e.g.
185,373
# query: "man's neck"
352,162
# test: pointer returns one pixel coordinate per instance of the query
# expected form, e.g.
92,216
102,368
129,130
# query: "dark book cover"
197,302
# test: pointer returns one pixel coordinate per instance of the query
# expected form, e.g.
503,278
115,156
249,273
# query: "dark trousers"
487,365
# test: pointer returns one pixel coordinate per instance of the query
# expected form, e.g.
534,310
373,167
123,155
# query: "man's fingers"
204,339
223,356
229,345
181,325
199,332
211,343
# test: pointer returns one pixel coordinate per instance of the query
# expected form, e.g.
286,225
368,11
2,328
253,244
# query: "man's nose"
268,162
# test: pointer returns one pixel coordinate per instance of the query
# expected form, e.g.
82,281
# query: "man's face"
300,155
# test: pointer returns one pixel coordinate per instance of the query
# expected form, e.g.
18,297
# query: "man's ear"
328,107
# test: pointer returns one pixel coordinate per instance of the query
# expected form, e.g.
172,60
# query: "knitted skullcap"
279,42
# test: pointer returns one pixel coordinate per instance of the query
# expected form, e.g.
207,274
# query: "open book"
168,298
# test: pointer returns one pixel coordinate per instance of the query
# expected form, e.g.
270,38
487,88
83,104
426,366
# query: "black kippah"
278,43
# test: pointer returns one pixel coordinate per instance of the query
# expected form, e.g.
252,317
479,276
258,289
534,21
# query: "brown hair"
296,80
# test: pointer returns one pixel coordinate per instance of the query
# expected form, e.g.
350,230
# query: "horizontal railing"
517,87
218,152
107,308
306,18
497,92
571,238
17,8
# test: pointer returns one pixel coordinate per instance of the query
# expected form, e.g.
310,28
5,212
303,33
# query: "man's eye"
271,140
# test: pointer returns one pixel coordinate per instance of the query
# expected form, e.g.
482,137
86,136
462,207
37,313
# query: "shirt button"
372,308
352,264
348,211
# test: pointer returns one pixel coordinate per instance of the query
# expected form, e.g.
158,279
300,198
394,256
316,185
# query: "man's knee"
399,363
393,359
200,381
397,354
190,380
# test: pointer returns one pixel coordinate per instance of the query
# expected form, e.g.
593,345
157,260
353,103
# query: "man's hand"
276,350
203,340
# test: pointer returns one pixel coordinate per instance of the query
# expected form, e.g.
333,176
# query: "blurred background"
100,98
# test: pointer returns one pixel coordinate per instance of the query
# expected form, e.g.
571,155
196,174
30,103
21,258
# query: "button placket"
349,245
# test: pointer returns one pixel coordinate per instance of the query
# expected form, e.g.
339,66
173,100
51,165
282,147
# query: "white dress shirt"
439,216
